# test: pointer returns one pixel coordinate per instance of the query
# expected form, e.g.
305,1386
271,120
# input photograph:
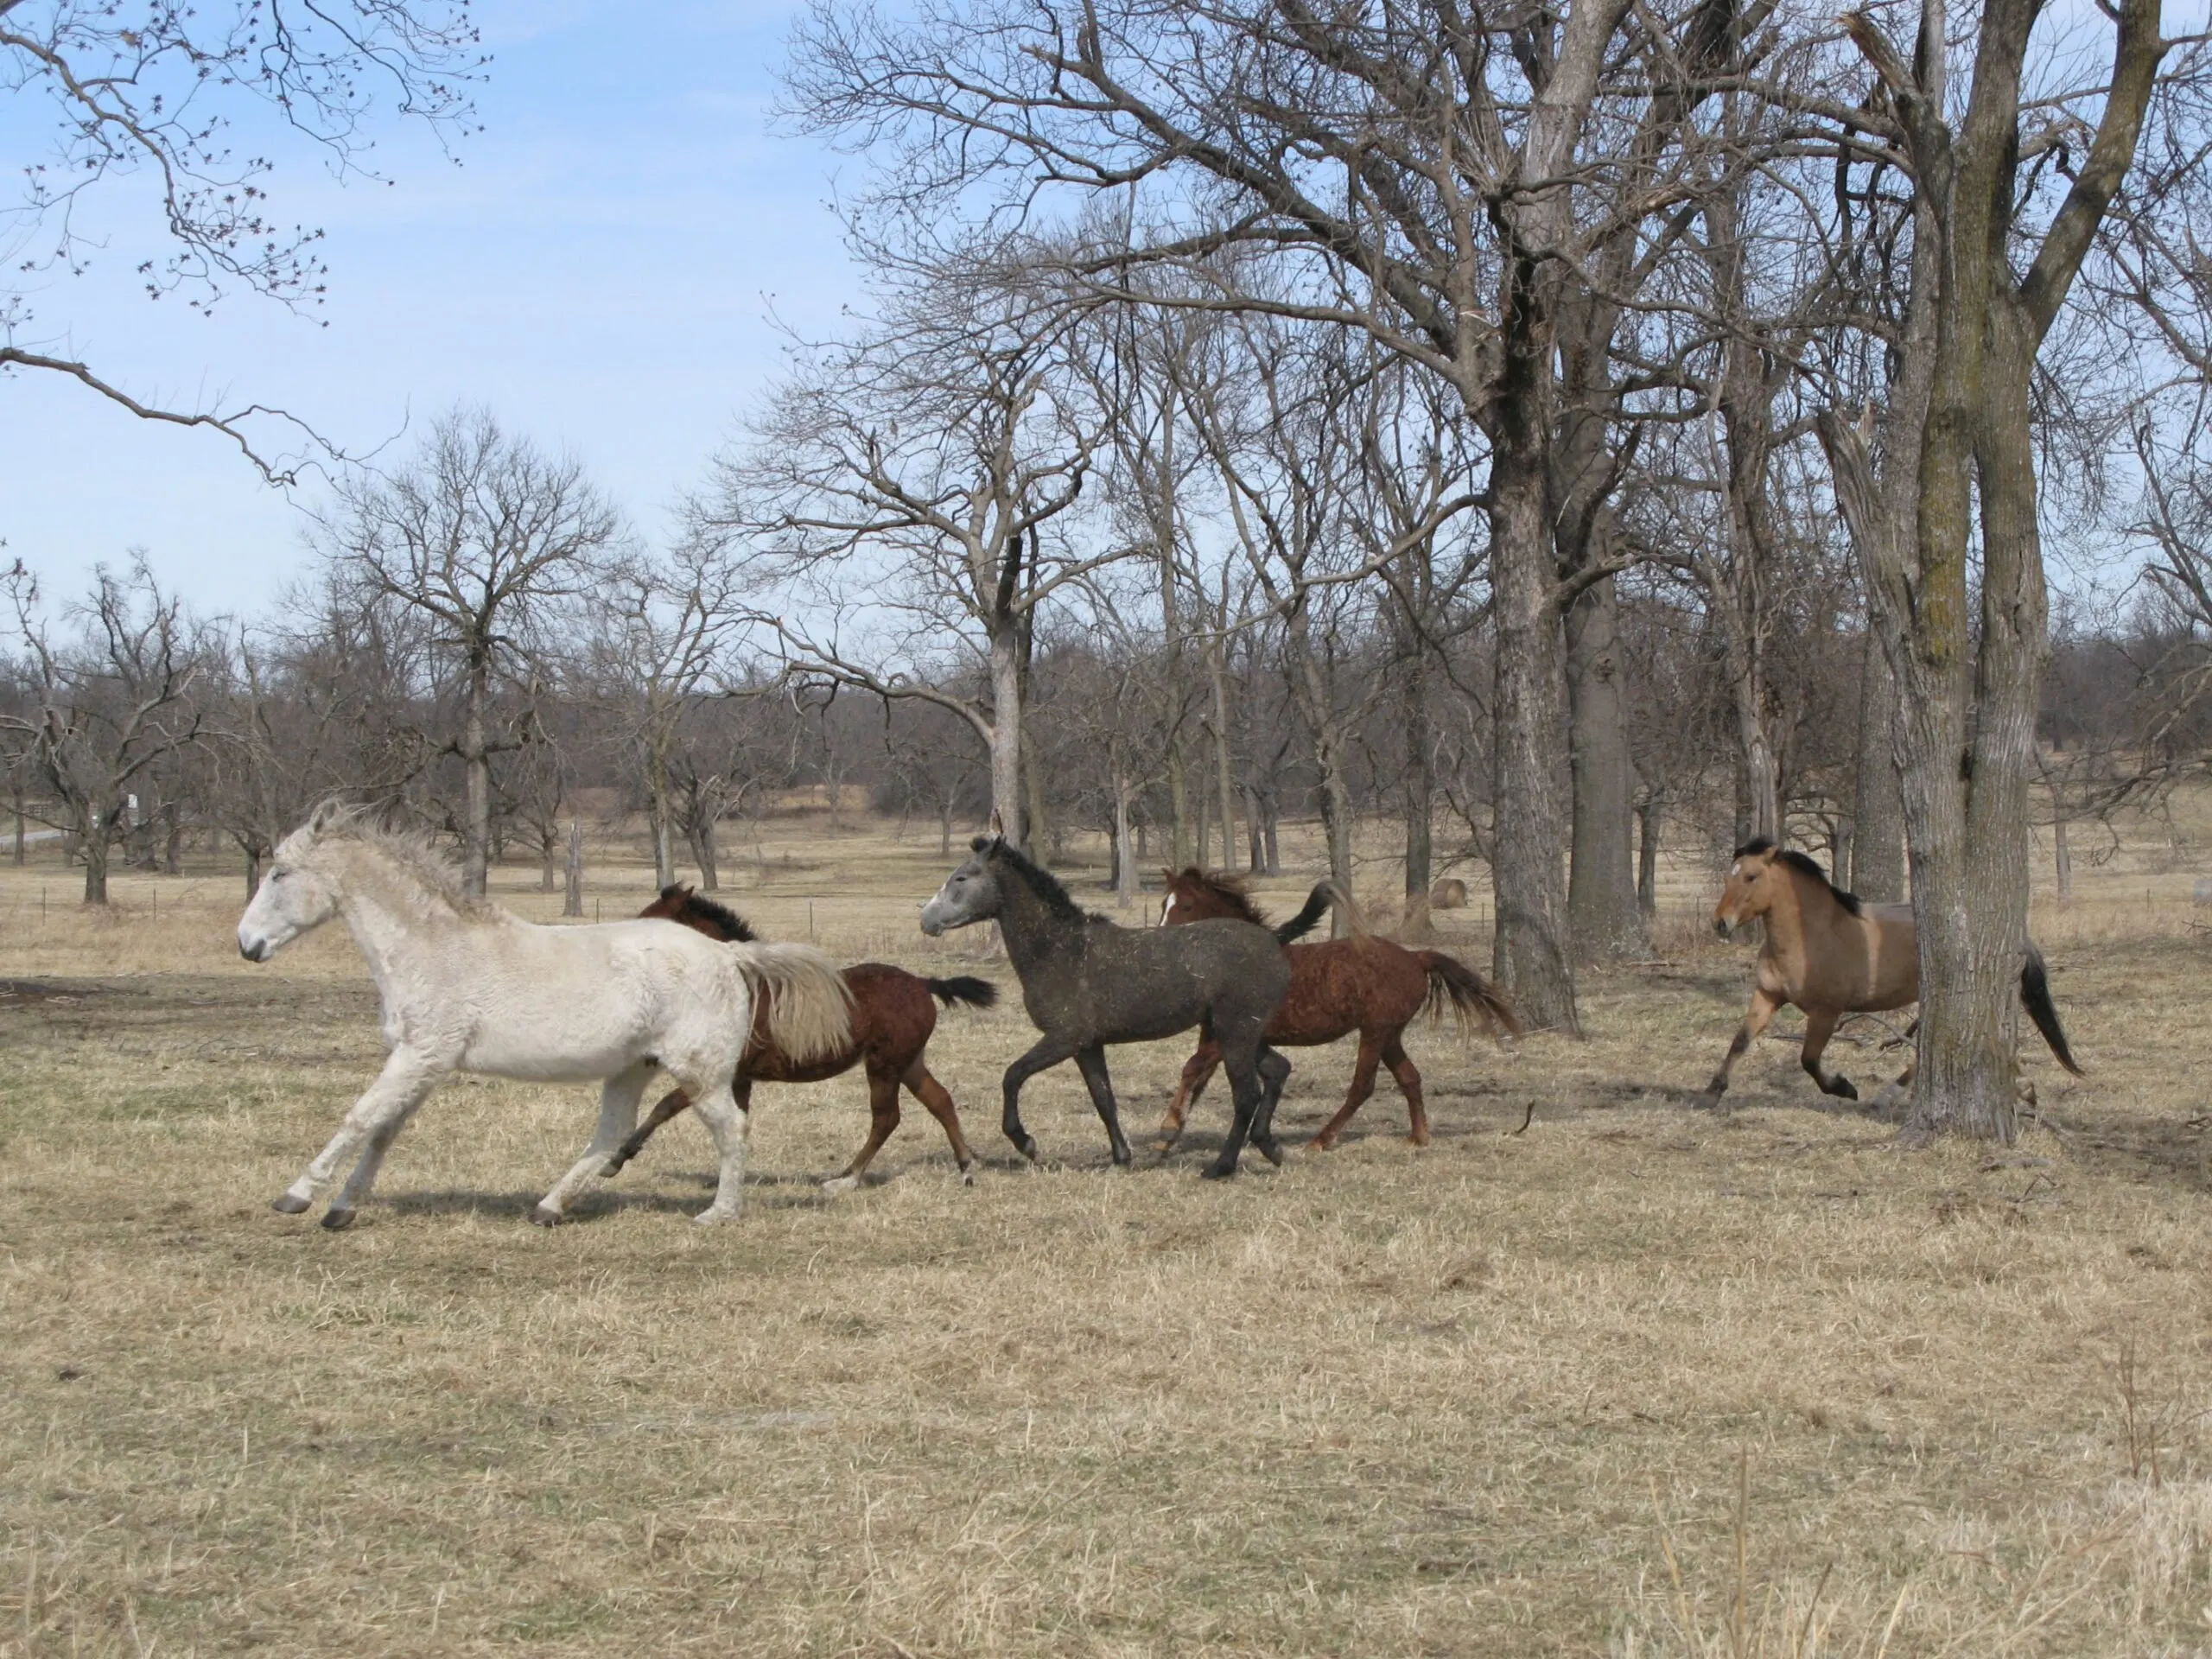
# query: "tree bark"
572,900
1877,869
1603,918
1005,736
1419,794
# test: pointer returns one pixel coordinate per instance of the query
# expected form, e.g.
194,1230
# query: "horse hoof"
337,1220
541,1217
288,1206
613,1167
1270,1149
841,1184
1216,1171
968,1176
713,1217
1844,1089
1322,1143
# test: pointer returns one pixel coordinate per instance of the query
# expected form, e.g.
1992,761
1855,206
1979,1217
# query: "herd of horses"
465,986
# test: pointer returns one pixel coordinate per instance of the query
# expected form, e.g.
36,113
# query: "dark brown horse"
1365,984
894,1017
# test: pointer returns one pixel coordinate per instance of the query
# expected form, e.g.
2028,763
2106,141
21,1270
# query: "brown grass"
1639,1381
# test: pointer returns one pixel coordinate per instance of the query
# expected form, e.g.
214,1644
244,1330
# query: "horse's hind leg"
672,1103
1091,1062
935,1095
618,1115
1408,1078
383,1108
1240,1054
1763,1006
1819,1027
730,1120
1196,1071
883,1118
1362,1085
1274,1071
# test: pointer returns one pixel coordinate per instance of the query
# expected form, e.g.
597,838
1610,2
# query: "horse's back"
1136,984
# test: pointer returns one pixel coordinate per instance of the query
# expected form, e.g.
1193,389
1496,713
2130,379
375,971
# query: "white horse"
468,987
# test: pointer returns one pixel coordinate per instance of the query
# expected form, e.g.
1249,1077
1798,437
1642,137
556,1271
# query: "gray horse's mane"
411,848
1803,865
1041,881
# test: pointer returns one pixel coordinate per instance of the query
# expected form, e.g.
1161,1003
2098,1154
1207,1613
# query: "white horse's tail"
810,1007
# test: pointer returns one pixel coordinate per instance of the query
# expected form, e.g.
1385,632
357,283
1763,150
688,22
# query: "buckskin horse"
1831,953
1086,983
894,1015
1366,984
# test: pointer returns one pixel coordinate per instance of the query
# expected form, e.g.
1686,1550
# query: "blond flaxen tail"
810,1009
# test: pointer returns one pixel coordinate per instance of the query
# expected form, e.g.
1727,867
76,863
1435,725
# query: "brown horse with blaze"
1833,954
894,1015
1366,984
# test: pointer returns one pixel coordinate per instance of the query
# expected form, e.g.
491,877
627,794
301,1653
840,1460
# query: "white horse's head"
296,896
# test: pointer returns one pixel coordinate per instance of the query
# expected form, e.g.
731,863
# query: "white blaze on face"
1167,907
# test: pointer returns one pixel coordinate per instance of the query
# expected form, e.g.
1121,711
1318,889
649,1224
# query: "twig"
1527,1118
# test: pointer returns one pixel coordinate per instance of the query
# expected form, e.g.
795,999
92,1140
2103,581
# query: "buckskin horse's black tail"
2035,997
975,992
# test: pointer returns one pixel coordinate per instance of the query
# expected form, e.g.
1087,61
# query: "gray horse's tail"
975,992
2035,997
1452,984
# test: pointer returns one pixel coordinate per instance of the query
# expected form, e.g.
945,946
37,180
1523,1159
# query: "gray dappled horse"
1086,983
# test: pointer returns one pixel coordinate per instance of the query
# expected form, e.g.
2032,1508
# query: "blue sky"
599,271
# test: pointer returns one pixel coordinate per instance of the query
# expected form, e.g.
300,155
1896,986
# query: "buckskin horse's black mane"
1805,866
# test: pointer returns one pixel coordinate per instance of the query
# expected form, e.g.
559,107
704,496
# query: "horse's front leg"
1048,1054
1764,1004
376,1117
618,1115
1819,1027
1091,1062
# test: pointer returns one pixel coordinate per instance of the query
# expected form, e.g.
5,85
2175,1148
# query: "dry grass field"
1638,1380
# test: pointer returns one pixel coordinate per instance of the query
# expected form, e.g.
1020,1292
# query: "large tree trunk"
1128,881
1309,689
1006,800
1602,915
1225,770
476,764
572,898
1530,838
96,848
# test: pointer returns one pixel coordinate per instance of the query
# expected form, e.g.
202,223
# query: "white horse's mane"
411,848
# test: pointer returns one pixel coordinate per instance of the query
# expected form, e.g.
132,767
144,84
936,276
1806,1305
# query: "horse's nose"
1720,926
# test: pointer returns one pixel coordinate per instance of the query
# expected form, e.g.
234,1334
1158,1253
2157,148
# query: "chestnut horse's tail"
975,992
1474,998
2035,997
810,1005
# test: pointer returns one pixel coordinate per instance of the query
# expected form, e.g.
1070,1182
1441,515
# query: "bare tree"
905,488
480,535
1987,283
106,709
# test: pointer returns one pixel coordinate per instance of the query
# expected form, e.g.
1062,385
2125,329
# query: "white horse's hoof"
842,1184
712,1217
288,1205
541,1217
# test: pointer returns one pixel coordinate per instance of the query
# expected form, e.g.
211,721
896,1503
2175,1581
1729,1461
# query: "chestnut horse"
1365,984
1832,954
893,1021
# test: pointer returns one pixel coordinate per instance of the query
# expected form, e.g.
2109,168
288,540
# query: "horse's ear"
981,844
1168,875
325,814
